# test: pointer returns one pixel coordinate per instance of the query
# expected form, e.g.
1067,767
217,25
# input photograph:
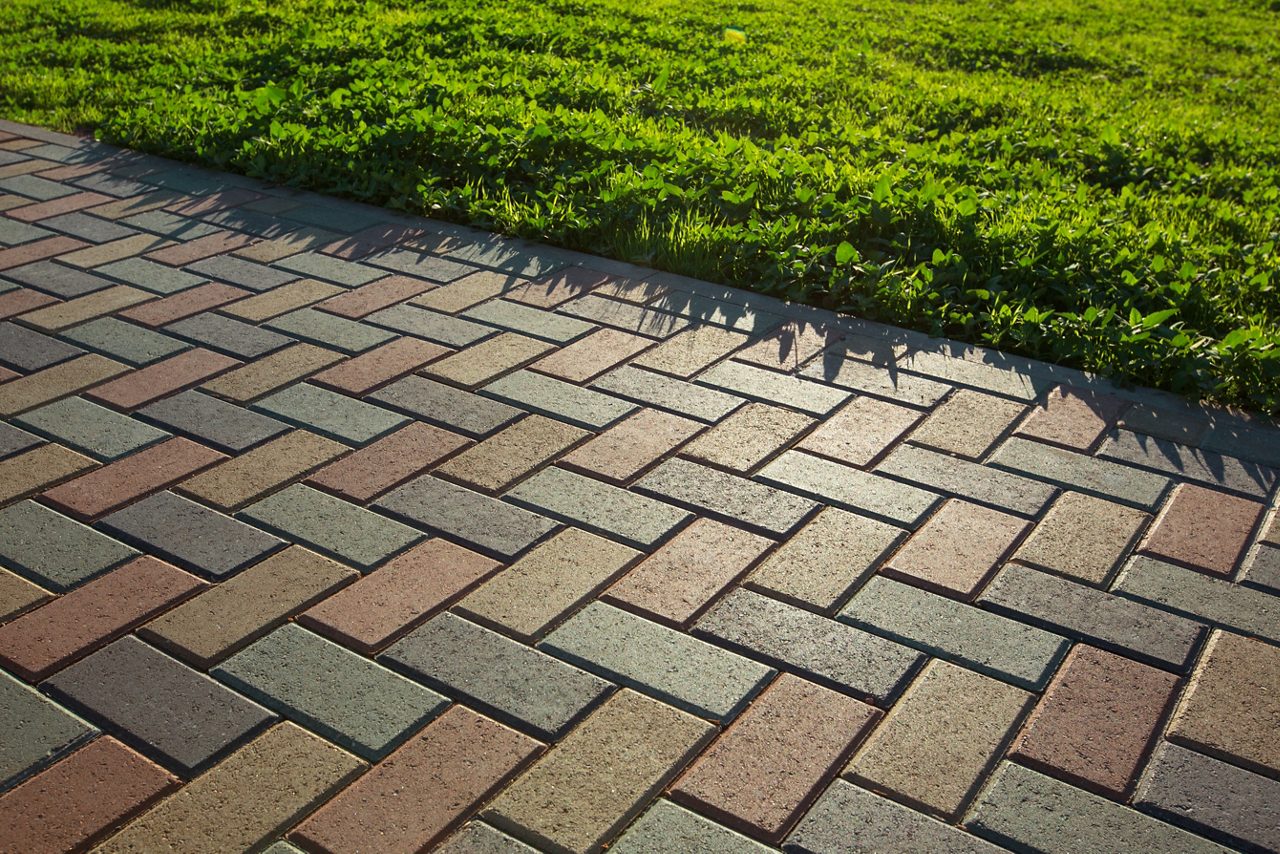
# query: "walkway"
330,528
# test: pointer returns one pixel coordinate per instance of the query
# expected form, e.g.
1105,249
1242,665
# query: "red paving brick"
162,378
387,462
362,374
184,304
367,299
66,204
1072,418
38,250
130,478
21,300
592,355
957,550
627,448
1203,529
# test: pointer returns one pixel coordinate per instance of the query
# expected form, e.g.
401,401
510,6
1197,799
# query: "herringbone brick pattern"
331,529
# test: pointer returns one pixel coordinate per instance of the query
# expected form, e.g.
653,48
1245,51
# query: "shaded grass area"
1092,183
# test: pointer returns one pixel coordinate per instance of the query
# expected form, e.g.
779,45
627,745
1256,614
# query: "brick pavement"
326,528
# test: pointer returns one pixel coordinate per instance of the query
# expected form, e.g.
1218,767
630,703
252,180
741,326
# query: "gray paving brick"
773,387
342,217
492,525
625,315
191,535
558,399
447,406
55,551
35,187
978,483
1201,597
833,653
714,310
330,690
516,683
127,342
504,255
1181,461
213,421
980,640
476,837
1262,568
669,393
57,279
431,325
37,730
1219,800
329,330
845,486
1258,444
424,265
879,380
28,350
170,225
237,271
111,185
531,321
88,227
1086,474
159,705
949,364
228,335
13,232
331,414
1028,811
13,440
848,819
344,531
1113,622
667,664
598,506
150,276
728,496
95,430
666,827
320,266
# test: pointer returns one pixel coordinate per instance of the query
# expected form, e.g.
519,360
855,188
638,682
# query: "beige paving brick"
748,437
489,359
38,469
958,549
271,372
87,307
860,431
467,291
506,456
689,352
22,300
630,446
18,595
115,250
591,355
56,382
239,480
1083,537
967,423
276,301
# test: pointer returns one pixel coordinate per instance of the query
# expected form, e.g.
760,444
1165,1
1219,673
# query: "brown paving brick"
554,577
87,307
750,435
1083,537
860,431
624,450
18,595
56,382
967,423
824,561
488,360
218,243
53,207
77,801
129,478
21,300
91,616
423,791
592,355
238,611
244,801
776,757
1072,417
38,250
939,768
404,592
184,304
377,295
687,353
957,550
1231,709
284,298
36,469
234,483
1204,529
162,378
561,286
505,457
600,776
1096,720
468,291
790,345
380,365
683,577
125,247
283,367
387,462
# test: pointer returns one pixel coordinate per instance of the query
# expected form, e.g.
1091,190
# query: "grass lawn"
1093,182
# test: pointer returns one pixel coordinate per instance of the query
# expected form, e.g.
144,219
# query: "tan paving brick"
467,291
184,304
1073,418
1083,537
261,376
21,300
591,355
217,243
56,382
860,431
301,240
115,250
627,448
162,378
87,307
967,423
379,366
120,208
53,207
279,300
748,437
387,462
18,595
689,352
480,363
1204,529
234,483
38,468
369,298
38,250
561,286
957,550
505,457
790,345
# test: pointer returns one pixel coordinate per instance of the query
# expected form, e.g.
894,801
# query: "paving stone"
555,288
1203,529
228,335
1083,537
18,595
598,506
839,656
285,298
502,255
773,387
61,281
1078,731
421,264
57,552
379,366
979,640
665,392
679,580
13,440
244,801
556,399
589,356
1072,417
689,352
1229,438
828,557
374,296
35,187
238,271
1262,569
54,207
328,330
328,413
156,380
762,772
718,312
24,393
1024,809
476,837
1211,797
22,300
37,250
150,276
748,436
1231,709
218,243
835,483
626,316
729,496
87,227
37,730
33,470
551,580
28,350
332,526
993,372
483,362
1189,463
421,323
878,380
470,290
631,445
240,479
500,460
1086,474
329,268
74,803
92,429
225,618
578,796
125,341
790,345
159,705
534,322
957,550
977,483
89,617
13,232
424,790
667,827
342,696
185,304
967,424
386,463
269,373
214,422
1201,597
404,592
92,257
447,406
